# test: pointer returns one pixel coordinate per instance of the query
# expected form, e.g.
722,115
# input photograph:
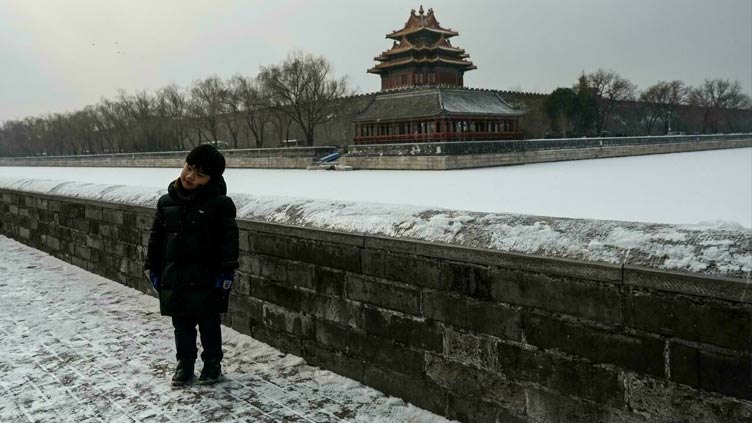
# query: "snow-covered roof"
712,248
436,101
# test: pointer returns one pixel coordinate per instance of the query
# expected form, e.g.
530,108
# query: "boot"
183,373
211,373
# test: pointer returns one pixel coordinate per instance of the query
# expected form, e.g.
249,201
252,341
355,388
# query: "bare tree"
659,103
231,109
116,121
303,88
174,103
253,106
713,96
207,104
606,88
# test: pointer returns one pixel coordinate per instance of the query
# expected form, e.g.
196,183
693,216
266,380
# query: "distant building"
423,97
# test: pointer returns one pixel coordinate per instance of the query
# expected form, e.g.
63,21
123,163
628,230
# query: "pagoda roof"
422,61
436,101
404,45
421,22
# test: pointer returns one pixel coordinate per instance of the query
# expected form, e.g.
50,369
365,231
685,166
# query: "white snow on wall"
714,248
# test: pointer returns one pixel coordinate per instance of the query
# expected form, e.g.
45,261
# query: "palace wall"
283,158
418,156
472,334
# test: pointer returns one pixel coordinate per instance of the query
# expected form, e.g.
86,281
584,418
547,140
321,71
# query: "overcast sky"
60,55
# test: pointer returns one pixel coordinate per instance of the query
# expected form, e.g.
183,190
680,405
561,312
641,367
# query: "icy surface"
77,347
714,248
682,188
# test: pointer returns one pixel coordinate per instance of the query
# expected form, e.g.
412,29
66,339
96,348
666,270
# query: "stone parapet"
473,334
466,154
285,158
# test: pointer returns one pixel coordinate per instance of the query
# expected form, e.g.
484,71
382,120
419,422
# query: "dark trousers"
185,337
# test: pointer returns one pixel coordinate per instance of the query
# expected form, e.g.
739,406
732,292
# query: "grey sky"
60,55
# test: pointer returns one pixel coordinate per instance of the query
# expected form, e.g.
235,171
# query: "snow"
681,188
77,347
714,246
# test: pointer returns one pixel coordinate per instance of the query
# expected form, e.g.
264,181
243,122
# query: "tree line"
297,95
589,106
298,91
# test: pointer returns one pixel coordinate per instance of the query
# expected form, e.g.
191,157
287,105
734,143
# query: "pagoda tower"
422,55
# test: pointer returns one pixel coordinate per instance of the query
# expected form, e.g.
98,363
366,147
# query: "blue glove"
154,278
224,281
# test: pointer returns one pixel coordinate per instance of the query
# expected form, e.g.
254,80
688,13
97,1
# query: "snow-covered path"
80,348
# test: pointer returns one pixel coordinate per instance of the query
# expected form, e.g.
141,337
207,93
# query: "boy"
191,258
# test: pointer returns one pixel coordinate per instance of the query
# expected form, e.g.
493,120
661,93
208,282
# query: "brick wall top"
513,146
632,270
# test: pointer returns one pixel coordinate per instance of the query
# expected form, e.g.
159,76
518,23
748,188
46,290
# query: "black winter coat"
193,238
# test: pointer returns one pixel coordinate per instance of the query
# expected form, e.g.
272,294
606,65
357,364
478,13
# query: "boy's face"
192,178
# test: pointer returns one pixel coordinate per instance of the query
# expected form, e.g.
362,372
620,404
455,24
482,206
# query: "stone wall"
284,158
467,154
476,335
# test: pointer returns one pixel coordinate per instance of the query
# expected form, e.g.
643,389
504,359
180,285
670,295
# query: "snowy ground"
682,188
80,348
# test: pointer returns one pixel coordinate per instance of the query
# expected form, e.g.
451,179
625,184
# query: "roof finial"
421,10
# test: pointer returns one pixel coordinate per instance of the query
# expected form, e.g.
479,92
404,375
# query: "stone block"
417,333
129,235
329,282
480,316
130,220
635,352
723,373
332,335
419,392
82,252
280,295
383,294
282,341
243,242
685,283
334,309
51,243
273,268
300,274
546,406
691,318
250,264
474,281
333,360
94,242
472,410
336,256
299,325
242,284
112,216
273,245
474,350
385,354
108,231
144,221
572,377
93,212
592,300
467,382
665,401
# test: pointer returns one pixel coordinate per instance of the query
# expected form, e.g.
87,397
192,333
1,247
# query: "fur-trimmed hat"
207,159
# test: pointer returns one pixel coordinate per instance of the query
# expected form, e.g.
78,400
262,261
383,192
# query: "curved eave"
397,35
422,48
410,61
